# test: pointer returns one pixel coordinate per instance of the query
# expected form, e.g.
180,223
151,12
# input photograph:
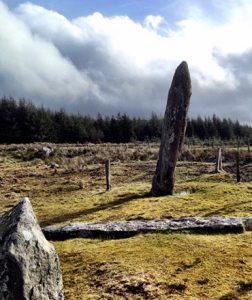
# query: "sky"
110,56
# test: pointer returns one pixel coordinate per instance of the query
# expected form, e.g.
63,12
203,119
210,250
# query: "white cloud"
156,23
117,64
33,67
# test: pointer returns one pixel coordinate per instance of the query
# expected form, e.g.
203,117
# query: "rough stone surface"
124,229
218,166
247,222
46,151
173,131
29,265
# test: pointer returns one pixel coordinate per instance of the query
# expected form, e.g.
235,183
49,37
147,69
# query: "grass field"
151,266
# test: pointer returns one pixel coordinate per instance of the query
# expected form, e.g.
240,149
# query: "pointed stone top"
20,215
24,200
182,69
23,204
182,77
183,65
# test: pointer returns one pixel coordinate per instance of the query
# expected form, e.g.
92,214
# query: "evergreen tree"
23,122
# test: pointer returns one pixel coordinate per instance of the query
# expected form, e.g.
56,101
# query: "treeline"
23,122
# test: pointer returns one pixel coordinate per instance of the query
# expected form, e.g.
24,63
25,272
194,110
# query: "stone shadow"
224,208
72,215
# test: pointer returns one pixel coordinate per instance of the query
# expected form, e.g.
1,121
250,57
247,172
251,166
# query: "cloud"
33,67
105,64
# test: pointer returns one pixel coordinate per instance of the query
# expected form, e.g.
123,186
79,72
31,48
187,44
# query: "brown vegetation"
69,186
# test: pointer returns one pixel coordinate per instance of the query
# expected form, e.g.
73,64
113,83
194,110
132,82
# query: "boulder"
29,265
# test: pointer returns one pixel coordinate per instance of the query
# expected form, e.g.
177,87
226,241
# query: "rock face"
29,265
173,131
124,229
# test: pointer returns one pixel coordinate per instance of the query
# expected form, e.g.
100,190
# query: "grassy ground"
171,266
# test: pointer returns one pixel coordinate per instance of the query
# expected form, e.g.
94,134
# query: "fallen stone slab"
124,229
29,265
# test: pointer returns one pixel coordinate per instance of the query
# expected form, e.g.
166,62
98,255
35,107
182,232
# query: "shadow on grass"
244,288
72,215
225,209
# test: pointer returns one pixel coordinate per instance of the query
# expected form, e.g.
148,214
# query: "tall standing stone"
173,131
29,265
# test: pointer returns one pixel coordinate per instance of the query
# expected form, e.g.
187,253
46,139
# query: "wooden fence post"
108,175
238,175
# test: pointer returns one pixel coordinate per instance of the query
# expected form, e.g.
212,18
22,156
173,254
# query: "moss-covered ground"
154,266
151,266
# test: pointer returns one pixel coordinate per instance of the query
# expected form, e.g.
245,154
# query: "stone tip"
183,67
24,202
183,64
24,208
182,77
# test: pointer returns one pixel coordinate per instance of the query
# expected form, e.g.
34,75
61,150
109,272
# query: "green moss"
171,266
157,266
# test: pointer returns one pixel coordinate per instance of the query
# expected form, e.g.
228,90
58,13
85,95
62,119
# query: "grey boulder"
29,265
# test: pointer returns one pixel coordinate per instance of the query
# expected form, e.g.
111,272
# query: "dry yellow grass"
158,266
168,266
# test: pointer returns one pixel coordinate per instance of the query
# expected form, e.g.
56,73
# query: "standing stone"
46,151
218,165
29,265
173,131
